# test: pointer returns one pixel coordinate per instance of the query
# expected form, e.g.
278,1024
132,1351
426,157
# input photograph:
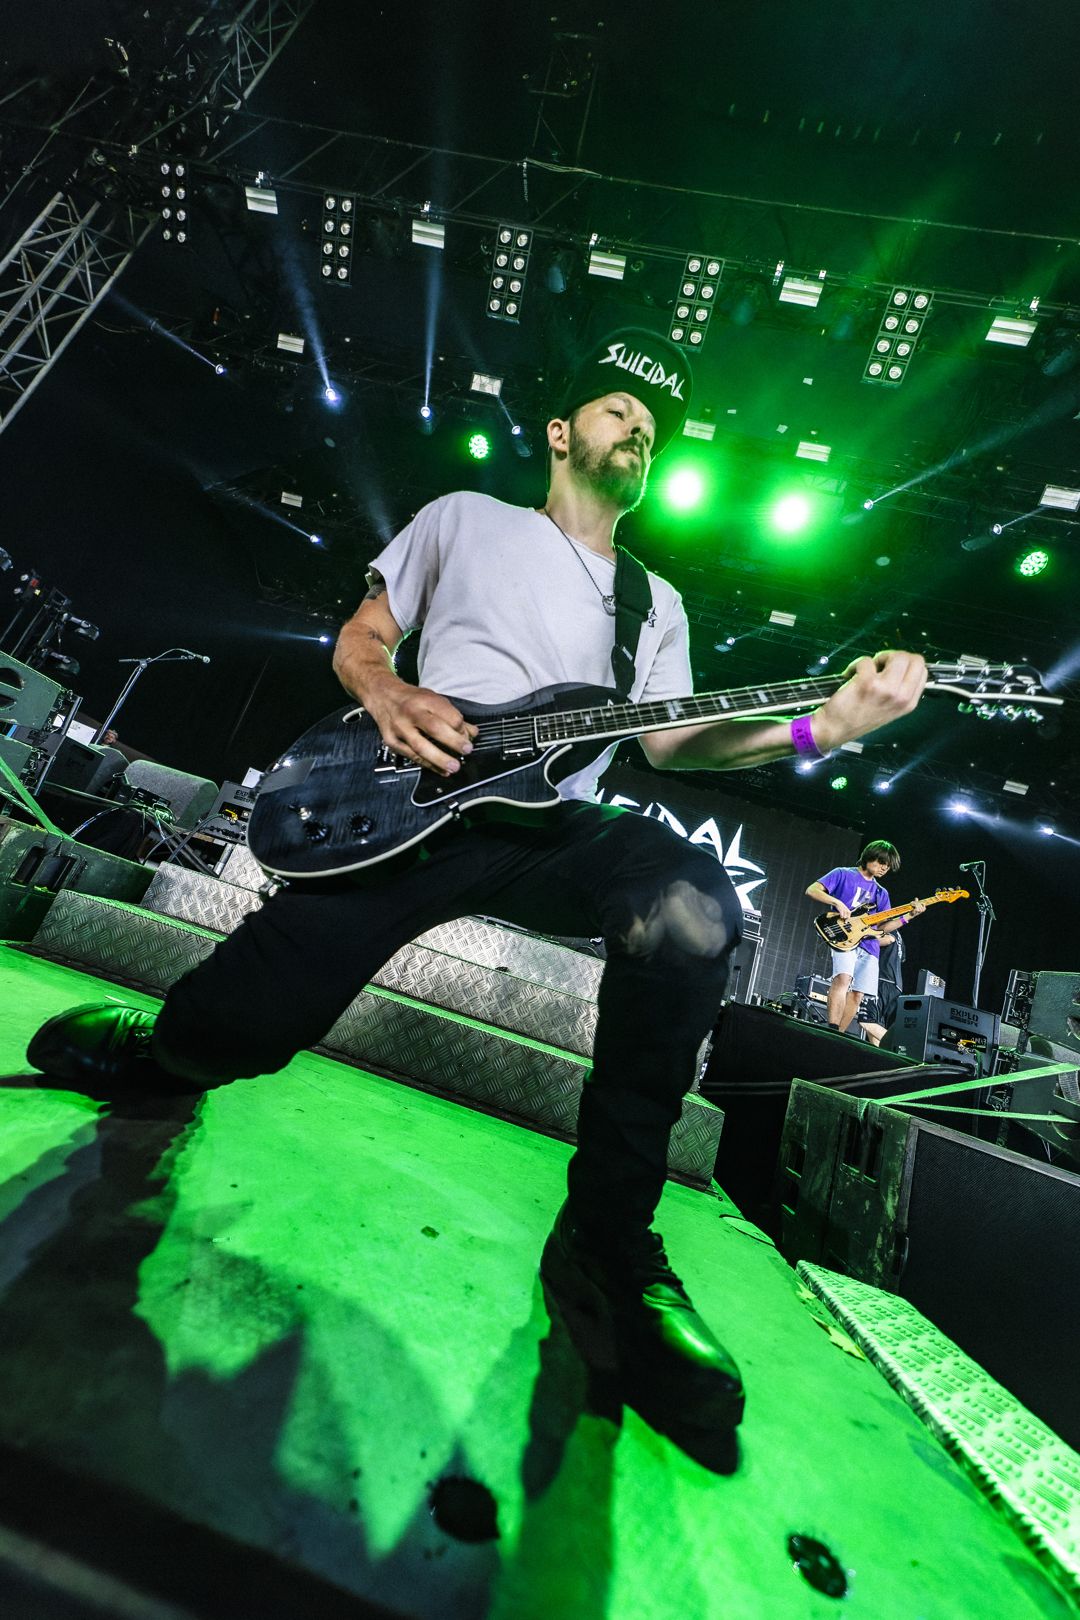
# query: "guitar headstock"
949,895
994,691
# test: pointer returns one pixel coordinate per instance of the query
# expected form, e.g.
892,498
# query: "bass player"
855,973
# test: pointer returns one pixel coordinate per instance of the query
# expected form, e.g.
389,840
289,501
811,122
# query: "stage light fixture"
289,497
838,783
1057,495
1033,563
683,489
290,343
325,640
805,766
699,430
1047,832
428,232
790,514
316,539
810,450
509,272
883,785
1019,788
173,194
693,307
220,370
426,418
779,617
1014,330
479,446
338,223
897,335
482,383
959,807
800,289
611,266
260,200
331,395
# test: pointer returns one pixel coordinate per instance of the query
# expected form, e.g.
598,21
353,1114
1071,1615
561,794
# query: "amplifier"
745,961
228,815
1055,1008
812,987
929,984
934,1029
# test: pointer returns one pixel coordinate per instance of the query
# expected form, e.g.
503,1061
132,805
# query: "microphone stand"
987,915
171,655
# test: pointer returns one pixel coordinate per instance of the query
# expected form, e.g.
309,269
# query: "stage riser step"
440,969
445,1051
210,902
481,969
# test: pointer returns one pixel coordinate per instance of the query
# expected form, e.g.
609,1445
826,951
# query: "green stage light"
790,514
838,783
1033,563
479,446
684,489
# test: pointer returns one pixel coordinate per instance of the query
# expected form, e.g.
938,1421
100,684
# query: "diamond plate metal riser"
495,1072
197,898
457,1059
470,967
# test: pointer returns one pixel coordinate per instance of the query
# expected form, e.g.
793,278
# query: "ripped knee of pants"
683,918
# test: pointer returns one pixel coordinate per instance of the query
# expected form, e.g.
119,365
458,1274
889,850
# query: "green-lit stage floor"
288,1309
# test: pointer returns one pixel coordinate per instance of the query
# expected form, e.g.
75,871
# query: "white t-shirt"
507,605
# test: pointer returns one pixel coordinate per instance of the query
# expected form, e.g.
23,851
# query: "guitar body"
843,933
340,801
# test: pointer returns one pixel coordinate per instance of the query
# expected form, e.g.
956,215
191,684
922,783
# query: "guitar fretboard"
626,719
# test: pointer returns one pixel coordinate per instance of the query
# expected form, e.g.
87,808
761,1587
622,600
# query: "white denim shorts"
861,965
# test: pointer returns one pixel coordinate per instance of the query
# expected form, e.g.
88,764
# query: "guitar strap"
633,608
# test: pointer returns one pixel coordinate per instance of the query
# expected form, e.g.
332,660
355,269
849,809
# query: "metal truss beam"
50,283
64,263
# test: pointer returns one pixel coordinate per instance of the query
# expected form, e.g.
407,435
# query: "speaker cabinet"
1055,1008
933,1029
981,1240
755,1053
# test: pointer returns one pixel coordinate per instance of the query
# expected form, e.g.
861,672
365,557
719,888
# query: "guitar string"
519,729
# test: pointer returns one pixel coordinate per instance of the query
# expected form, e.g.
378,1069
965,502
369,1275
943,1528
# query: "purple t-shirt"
848,884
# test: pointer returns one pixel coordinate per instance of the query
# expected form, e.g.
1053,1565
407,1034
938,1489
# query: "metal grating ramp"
1014,1458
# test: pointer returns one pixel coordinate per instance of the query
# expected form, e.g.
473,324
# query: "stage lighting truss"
338,232
173,202
509,272
897,336
693,307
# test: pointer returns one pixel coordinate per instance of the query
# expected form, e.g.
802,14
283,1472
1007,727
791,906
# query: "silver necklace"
607,600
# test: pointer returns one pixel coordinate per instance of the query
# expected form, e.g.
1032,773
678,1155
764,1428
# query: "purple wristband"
802,739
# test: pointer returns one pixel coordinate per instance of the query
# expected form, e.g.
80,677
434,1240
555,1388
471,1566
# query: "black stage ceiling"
927,149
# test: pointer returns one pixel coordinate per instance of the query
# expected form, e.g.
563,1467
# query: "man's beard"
614,477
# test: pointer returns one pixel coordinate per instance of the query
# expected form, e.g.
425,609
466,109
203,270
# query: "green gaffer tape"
981,1084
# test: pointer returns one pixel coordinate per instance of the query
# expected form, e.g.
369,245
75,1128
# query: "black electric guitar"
844,933
340,800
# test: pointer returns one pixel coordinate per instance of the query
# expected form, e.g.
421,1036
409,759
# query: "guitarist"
508,600
855,973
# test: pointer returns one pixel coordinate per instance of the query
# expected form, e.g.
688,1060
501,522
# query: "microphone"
969,866
201,658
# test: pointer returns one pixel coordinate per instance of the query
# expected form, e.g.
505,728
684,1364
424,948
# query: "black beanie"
633,361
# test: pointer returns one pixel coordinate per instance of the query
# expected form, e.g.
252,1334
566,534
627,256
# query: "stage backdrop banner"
769,855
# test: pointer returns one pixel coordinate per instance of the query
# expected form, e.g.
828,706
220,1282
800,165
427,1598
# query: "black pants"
667,912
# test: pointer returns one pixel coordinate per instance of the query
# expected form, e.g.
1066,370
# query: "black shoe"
101,1044
630,1313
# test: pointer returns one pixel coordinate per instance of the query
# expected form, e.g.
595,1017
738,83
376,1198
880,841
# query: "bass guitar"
844,933
339,800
